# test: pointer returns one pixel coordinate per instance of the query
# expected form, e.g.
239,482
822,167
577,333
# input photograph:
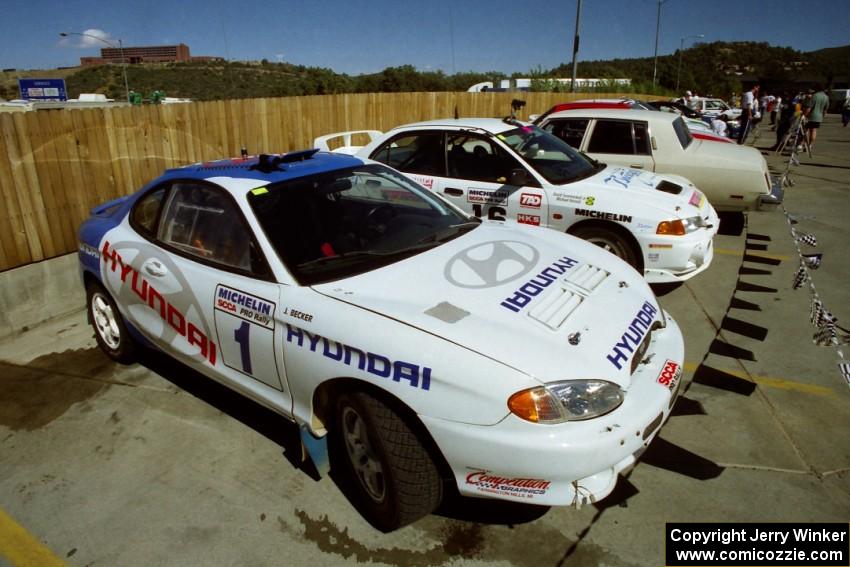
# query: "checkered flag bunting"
801,276
813,260
844,367
826,335
819,315
809,239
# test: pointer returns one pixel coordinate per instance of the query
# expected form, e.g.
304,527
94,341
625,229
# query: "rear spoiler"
346,148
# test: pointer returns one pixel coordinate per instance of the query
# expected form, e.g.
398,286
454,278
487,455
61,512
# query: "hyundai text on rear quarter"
507,170
411,344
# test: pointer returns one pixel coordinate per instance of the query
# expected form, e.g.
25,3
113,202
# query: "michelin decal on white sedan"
410,344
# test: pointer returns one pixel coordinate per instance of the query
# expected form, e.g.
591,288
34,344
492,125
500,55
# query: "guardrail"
57,164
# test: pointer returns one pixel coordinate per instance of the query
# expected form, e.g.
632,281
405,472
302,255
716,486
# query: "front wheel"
611,241
390,474
109,329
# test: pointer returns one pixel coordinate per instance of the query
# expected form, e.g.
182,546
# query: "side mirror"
519,177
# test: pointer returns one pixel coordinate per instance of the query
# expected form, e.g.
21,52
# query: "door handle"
636,166
453,191
155,268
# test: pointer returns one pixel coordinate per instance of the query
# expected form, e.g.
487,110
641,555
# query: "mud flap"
316,448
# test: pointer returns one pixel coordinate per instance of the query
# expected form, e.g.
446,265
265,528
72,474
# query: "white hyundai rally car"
504,169
426,346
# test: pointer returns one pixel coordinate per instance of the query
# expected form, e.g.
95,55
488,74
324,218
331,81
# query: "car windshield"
349,221
550,156
683,133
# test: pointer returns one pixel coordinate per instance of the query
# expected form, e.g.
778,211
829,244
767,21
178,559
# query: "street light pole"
681,47
657,30
112,45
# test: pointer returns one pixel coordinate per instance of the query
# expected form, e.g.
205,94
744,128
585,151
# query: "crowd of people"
782,108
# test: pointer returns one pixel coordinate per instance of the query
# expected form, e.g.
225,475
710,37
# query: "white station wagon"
509,170
428,347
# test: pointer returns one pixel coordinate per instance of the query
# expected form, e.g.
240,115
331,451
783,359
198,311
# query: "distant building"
152,54
512,85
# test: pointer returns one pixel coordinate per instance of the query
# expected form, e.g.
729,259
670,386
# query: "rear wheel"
109,328
611,241
390,475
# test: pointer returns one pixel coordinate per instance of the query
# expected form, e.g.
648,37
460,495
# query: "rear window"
682,132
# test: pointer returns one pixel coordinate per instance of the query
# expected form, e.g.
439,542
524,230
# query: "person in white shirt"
719,125
777,104
749,106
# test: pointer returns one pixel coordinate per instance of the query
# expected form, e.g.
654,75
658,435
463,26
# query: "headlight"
680,227
572,400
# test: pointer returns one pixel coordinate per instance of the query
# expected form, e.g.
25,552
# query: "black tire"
388,473
109,328
608,239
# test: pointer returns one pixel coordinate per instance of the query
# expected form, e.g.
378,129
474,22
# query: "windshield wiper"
461,228
345,255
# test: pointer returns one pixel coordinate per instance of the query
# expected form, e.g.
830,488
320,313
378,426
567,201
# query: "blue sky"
361,37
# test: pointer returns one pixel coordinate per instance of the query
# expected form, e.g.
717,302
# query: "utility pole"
575,49
657,30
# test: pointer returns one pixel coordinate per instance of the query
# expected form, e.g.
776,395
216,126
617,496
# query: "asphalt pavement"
151,464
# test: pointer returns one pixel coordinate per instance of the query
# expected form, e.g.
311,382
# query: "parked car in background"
733,177
713,107
509,170
699,128
412,344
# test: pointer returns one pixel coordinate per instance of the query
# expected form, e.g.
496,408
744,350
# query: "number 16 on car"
245,325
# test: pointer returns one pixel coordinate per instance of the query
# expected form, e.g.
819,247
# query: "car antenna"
516,104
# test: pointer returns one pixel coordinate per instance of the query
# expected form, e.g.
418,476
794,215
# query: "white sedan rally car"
507,170
423,344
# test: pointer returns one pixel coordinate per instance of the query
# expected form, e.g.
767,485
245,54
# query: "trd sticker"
484,481
528,219
530,200
245,306
670,375
486,196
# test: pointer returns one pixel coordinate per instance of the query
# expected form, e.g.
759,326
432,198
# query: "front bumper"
775,197
671,259
570,463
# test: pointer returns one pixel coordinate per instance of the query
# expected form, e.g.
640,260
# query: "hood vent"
557,306
668,187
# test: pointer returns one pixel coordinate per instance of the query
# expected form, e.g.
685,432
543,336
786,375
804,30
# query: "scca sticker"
670,374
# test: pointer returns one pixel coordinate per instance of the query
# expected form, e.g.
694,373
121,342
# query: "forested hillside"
715,68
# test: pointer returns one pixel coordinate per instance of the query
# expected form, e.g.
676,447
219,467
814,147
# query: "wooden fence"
57,164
